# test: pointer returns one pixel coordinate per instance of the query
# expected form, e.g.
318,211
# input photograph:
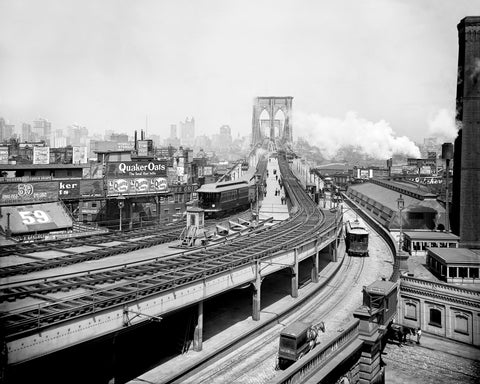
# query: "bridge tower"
272,104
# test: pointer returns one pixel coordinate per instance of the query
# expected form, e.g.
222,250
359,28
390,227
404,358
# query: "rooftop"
456,255
431,235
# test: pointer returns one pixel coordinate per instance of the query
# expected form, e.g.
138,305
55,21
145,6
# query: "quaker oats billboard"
135,177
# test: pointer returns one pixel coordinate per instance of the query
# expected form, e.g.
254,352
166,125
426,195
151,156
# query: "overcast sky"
108,64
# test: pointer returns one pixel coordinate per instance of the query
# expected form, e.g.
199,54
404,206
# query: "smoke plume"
443,126
377,140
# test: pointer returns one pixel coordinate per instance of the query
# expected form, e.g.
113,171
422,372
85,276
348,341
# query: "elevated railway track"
137,282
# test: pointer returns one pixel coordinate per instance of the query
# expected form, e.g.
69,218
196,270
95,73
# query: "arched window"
461,323
411,311
435,317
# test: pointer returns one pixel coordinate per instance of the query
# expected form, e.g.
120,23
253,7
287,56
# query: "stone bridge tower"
272,104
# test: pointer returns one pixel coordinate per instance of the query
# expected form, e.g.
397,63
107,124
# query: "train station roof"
430,236
464,256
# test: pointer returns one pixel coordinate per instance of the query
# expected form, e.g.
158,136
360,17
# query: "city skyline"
386,67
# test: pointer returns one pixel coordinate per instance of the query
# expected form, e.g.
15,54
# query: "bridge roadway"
173,282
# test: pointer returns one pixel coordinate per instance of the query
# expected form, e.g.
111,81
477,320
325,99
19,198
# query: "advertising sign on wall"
136,186
69,189
79,155
15,193
137,169
142,147
3,155
207,171
91,188
133,177
41,155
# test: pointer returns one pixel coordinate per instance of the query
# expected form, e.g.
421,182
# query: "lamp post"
401,206
121,204
257,181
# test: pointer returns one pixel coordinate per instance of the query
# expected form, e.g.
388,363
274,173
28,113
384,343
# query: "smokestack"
135,140
141,134
468,98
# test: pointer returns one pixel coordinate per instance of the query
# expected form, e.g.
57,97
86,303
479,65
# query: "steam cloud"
376,140
443,126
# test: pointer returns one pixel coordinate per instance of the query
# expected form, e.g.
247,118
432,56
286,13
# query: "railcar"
221,199
356,238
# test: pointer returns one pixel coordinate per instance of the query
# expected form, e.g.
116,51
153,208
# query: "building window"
474,273
435,317
410,311
461,323
452,271
463,272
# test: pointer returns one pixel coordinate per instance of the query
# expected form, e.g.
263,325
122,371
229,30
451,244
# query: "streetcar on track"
356,238
224,198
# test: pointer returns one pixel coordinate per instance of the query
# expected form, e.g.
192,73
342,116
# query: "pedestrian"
419,335
400,337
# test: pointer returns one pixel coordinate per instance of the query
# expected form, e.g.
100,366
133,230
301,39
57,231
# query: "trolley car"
220,199
356,238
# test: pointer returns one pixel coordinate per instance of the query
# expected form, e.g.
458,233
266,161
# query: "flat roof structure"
464,256
430,236
382,287
421,210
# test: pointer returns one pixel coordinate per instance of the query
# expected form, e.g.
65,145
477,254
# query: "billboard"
91,188
79,155
136,186
69,189
15,193
41,155
426,180
207,171
135,177
142,147
124,169
3,155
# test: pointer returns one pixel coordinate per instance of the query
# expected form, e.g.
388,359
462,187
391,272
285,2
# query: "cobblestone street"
414,363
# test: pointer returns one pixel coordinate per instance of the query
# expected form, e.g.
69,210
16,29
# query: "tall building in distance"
42,130
6,130
187,132
173,131
26,132
468,112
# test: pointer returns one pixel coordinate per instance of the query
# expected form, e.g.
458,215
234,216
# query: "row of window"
435,317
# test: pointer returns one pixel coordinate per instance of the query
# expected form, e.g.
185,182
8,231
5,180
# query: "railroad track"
259,355
167,273
129,241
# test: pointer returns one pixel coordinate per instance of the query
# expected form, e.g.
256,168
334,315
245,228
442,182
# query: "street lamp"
121,204
400,206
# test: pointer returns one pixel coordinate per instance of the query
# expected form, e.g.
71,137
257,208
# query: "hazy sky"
108,64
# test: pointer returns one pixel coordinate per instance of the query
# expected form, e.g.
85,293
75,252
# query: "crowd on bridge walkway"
274,200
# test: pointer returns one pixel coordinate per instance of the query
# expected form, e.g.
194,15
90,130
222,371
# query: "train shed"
421,210
417,242
455,265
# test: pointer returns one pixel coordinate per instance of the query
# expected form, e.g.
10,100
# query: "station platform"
274,203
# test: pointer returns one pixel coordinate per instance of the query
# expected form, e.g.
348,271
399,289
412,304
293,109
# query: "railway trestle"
100,322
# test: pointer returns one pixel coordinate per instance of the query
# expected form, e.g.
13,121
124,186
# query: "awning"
25,219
